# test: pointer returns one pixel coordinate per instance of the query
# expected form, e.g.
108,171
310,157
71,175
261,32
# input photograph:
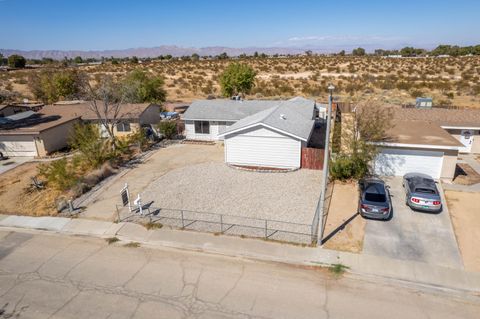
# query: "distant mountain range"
177,51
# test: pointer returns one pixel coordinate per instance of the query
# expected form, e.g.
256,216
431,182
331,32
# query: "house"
463,125
417,146
255,133
14,108
34,134
132,116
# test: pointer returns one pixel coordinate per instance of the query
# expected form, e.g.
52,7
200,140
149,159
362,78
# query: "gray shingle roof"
292,118
231,110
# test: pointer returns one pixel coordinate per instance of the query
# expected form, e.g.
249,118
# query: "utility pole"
321,213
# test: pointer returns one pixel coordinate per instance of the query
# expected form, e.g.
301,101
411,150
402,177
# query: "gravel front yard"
217,188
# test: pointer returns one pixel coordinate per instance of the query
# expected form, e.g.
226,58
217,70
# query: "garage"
18,145
263,147
398,162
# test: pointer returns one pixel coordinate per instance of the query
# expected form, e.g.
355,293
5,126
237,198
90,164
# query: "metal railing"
221,224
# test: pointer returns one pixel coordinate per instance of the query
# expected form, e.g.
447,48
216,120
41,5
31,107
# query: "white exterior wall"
216,127
262,147
398,162
18,145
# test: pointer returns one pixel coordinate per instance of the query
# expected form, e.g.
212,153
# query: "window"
202,127
123,127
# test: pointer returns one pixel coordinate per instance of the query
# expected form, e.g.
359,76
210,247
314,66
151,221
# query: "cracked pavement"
55,276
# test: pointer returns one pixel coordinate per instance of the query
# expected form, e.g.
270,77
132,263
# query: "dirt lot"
465,216
344,225
17,197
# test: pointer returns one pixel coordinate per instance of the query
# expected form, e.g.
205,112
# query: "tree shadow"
339,228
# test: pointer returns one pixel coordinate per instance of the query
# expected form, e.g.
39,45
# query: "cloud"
340,38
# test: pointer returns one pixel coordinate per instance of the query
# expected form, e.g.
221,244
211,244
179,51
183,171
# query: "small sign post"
138,203
125,194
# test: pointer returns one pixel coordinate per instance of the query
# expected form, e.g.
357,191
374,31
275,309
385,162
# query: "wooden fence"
312,158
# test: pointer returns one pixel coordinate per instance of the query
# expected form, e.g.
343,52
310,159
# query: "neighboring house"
14,108
464,125
34,134
132,116
256,133
417,146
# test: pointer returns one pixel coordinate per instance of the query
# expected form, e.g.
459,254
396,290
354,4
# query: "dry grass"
465,215
466,175
18,197
447,80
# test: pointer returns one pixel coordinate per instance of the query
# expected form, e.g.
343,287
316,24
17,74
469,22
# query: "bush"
348,167
59,174
93,149
168,128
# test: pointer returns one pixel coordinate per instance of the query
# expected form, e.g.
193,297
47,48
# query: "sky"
122,24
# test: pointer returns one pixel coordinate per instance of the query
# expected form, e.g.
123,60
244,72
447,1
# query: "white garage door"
18,146
281,152
398,162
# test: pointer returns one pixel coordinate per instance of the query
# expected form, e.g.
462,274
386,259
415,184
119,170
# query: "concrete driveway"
413,235
12,162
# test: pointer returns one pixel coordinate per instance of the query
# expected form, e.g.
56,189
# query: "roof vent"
283,117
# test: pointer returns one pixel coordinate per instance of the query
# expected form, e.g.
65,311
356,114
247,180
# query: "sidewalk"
359,264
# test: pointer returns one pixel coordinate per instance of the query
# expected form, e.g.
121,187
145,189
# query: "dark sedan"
374,200
421,193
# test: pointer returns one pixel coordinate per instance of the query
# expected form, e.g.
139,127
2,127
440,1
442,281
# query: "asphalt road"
53,276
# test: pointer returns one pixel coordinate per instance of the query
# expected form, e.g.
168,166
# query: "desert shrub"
93,149
346,167
168,128
138,138
59,174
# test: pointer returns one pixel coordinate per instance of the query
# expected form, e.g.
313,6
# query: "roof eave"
264,125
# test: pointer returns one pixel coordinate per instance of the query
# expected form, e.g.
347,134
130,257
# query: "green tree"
78,60
341,53
195,57
358,52
50,86
358,149
134,60
238,78
16,61
142,87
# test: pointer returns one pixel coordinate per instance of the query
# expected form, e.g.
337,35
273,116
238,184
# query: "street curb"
362,266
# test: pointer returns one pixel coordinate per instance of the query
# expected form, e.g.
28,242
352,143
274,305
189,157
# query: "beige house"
418,146
33,134
38,134
463,125
132,116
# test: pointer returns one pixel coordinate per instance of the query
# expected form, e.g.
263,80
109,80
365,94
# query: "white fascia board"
264,125
440,147
210,120
460,127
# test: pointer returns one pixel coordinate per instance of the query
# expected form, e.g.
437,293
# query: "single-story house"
417,146
464,124
132,115
34,134
14,108
255,133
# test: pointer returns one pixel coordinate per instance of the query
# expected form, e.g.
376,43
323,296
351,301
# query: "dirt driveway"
411,235
465,213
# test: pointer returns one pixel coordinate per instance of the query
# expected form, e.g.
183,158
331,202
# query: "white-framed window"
202,127
123,127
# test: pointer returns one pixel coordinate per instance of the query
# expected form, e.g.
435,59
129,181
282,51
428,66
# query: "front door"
466,138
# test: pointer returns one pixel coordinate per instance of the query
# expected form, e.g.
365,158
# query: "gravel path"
217,188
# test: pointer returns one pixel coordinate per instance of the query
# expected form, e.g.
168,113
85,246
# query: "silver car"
422,193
